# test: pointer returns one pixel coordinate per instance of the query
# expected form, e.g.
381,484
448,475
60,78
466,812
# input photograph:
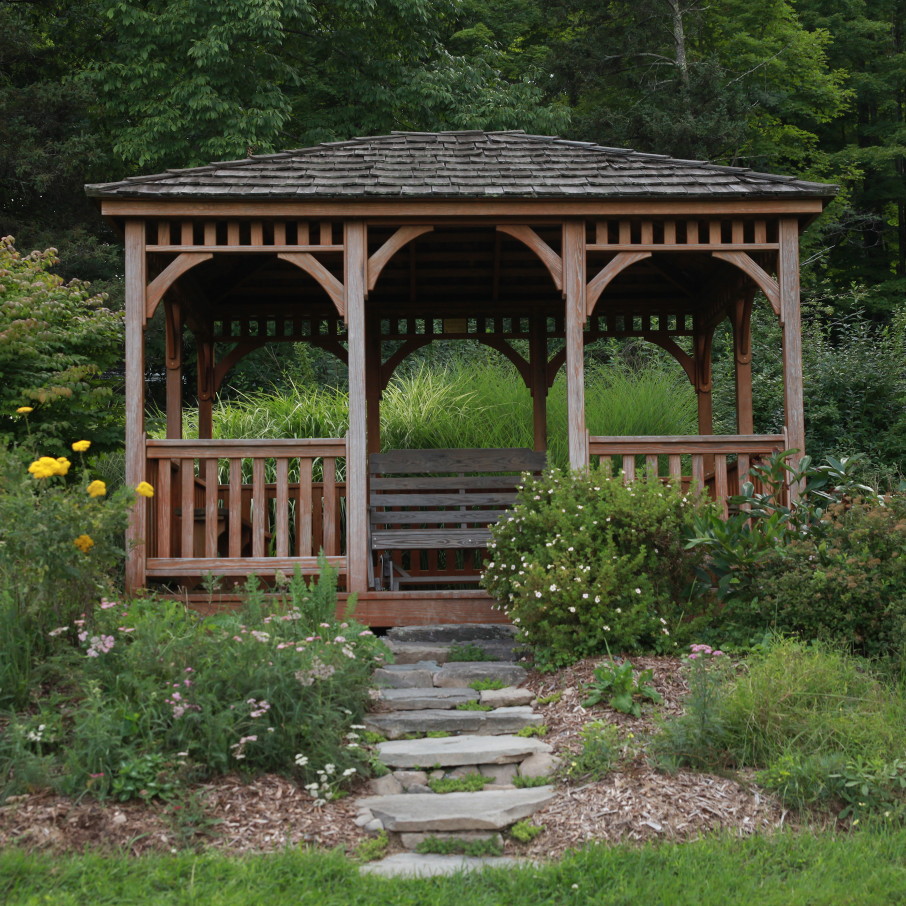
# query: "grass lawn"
864,867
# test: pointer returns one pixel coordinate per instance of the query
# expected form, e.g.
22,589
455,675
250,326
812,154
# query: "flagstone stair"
420,694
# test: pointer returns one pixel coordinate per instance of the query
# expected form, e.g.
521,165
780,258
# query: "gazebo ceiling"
420,165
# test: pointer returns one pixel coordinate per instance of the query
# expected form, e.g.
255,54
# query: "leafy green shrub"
525,831
57,342
600,751
163,695
448,846
586,563
621,688
524,783
468,783
468,651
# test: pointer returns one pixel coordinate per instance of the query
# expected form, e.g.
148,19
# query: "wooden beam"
599,283
549,258
742,354
788,278
325,279
765,282
538,385
574,292
355,265
136,279
168,276
392,208
173,339
378,261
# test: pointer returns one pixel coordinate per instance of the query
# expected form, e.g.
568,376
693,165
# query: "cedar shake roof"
461,165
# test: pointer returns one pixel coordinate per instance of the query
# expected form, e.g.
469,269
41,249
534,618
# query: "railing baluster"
304,515
330,506
629,467
210,507
187,506
164,507
282,507
720,481
675,465
651,463
259,507
698,469
234,514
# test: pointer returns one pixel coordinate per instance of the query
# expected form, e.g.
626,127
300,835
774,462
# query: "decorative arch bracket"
612,269
549,258
379,260
325,279
765,282
168,276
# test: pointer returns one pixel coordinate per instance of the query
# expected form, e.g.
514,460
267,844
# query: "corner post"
355,272
538,363
574,294
790,322
136,280
742,348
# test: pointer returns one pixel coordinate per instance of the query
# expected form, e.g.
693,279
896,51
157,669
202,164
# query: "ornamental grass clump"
587,564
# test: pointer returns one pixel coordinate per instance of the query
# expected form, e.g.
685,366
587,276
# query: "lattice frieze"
670,235
244,235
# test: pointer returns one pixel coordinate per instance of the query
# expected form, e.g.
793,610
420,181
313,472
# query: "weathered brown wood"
402,237
331,510
282,508
223,448
163,504
389,499
259,507
210,508
765,282
173,339
234,511
698,469
237,566
599,283
325,279
455,460
414,608
548,257
136,279
420,539
674,465
187,508
742,354
788,278
538,382
628,467
438,517
445,482
574,280
355,280
693,443
720,482
305,514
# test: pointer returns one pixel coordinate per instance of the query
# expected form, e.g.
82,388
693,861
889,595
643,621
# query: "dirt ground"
633,803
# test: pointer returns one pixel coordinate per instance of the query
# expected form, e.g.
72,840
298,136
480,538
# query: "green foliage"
539,730
373,848
817,722
467,651
449,846
551,699
473,706
600,751
56,342
189,820
468,783
622,689
525,831
480,685
157,695
524,783
587,562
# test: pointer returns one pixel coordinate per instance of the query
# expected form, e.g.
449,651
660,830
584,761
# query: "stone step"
413,652
488,810
438,699
452,632
413,865
460,675
395,724
451,751
406,676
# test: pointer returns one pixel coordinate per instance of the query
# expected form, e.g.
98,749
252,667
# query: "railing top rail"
691,443
307,446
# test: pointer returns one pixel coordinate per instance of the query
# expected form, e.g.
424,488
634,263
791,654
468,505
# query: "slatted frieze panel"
238,235
277,328
242,506
639,234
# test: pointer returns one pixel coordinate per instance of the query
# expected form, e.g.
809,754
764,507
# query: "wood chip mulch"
634,803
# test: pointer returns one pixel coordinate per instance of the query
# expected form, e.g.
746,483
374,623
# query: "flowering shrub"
587,563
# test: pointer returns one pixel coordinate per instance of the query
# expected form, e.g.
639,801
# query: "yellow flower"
80,446
24,410
62,465
144,489
97,489
84,543
44,467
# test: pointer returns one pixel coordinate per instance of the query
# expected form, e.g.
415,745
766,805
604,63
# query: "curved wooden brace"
388,367
742,330
702,370
379,260
554,365
155,290
671,346
549,258
765,282
325,279
173,334
522,366
205,358
598,284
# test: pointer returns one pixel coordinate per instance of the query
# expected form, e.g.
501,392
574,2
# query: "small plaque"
456,325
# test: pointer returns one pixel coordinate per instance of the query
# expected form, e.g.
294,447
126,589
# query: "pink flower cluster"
703,651
99,644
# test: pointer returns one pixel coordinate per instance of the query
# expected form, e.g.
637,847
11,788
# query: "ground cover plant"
587,563
150,697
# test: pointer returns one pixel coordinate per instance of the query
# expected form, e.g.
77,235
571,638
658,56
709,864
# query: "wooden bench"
439,500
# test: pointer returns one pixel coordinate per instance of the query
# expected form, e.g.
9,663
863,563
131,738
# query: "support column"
574,295
205,347
373,383
538,364
355,269
173,316
788,280
742,354
702,343
136,279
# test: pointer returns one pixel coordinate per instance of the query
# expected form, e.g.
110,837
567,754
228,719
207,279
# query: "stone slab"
541,764
507,697
418,699
460,675
410,841
406,676
414,652
451,632
396,724
454,751
488,810
413,865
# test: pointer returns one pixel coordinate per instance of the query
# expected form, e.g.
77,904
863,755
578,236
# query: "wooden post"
788,280
703,388
574,294
538,354
742,347
205,348
373,382
173,315
136,279
355,271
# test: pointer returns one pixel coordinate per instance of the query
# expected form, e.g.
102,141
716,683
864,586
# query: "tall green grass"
469,404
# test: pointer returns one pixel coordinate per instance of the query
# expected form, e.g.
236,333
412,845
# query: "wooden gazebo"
373,247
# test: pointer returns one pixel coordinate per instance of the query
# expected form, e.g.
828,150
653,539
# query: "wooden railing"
234,507
718,462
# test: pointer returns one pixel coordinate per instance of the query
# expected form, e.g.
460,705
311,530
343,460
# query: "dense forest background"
102,89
